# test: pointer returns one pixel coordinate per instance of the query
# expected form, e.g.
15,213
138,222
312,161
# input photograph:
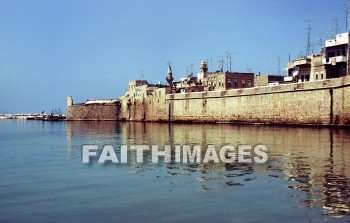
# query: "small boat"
51,117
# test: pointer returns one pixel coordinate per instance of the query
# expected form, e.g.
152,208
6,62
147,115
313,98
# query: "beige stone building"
331,62
310,68
213,81
336,58
267,79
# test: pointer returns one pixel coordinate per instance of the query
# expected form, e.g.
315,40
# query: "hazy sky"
91,49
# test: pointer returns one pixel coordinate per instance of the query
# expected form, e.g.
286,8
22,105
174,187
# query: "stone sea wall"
92,112
321,102
325,102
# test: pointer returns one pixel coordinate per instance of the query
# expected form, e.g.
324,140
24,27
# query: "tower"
202,71
69,101
169,79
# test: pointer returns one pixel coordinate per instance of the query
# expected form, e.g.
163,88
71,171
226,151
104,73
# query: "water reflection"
311,163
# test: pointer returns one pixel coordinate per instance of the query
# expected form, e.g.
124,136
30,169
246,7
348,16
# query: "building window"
243,83
235,83
316,77
321,76
229,82
249,83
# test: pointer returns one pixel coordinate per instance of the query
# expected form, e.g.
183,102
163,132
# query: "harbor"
306,178
39,116
175,111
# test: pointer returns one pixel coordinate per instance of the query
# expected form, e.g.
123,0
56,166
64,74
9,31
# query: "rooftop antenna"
249,69
221,63
308,46
301,54
347,10
142,76
192,67
313,48
336,26
330,32
320,42
227,60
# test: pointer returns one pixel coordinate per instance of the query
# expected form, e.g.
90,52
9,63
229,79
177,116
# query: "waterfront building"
336,59
331,62
305,69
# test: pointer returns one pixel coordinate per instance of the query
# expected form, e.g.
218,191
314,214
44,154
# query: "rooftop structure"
331,62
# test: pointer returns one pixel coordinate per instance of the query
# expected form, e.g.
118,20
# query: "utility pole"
279,65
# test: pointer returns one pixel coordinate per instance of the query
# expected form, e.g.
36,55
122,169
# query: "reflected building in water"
311,162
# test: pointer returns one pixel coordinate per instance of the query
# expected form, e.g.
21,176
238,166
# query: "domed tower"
169,79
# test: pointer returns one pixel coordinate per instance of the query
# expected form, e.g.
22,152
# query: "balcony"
334,60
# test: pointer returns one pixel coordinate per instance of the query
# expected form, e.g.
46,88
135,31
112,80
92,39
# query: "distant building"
227,80
331,62
266,80
211,81
336,58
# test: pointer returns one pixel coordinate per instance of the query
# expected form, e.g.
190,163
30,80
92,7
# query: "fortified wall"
324,102
99,110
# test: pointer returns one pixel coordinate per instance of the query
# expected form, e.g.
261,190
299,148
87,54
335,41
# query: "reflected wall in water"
312,162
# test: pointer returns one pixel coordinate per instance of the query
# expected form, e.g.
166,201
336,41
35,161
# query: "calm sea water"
42,177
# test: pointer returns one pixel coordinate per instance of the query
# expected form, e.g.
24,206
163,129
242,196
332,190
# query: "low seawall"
92,112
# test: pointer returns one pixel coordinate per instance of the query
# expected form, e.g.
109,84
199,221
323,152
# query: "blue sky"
91,49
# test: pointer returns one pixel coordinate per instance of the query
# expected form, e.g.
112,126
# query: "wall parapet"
283,88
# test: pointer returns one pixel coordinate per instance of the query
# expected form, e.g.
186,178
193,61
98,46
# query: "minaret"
169,79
